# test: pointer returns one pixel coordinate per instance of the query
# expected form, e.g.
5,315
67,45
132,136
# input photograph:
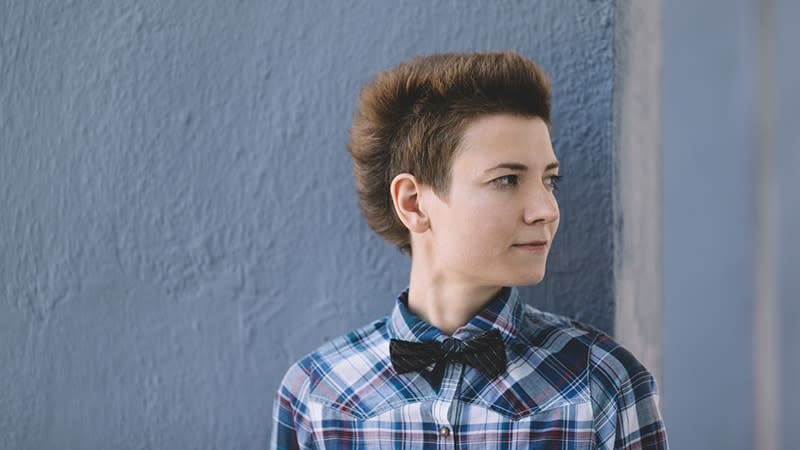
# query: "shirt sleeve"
291,428
625,400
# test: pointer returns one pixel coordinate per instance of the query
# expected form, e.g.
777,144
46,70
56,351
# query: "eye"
506,181
552,181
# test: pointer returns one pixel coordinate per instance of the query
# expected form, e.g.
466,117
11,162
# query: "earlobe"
405,191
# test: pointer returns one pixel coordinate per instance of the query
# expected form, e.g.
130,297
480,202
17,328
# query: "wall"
179,220
636,155
731,154
708,223
785,71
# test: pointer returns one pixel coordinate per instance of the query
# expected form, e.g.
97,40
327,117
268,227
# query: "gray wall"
179,223
785,73
709,222
731,154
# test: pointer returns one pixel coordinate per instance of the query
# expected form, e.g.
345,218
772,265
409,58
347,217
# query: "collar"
504,312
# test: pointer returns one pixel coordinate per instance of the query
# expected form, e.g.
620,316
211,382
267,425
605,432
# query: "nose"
541,206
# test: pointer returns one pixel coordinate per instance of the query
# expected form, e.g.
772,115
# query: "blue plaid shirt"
566,386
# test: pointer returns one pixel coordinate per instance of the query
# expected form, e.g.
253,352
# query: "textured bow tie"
484,352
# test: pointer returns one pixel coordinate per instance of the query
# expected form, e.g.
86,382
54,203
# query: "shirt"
566,386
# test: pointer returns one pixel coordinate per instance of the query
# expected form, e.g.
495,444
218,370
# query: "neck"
444,302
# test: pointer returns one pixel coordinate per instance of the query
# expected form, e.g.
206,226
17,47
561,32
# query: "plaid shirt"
566,386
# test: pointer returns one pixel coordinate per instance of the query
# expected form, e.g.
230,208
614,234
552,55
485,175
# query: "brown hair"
411,118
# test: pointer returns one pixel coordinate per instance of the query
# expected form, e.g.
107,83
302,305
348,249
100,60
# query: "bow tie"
484,352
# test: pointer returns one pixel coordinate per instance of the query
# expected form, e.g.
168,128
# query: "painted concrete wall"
731,154
179,223
709,225
785,72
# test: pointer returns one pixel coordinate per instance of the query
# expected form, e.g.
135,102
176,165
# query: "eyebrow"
520,167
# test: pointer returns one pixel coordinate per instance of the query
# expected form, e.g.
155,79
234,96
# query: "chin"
526,279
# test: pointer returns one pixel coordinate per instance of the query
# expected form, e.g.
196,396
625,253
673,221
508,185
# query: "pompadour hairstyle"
411,119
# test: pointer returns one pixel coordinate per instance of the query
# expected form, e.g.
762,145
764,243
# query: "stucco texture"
179,222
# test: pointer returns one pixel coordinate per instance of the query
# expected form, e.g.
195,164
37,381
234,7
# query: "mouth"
532,246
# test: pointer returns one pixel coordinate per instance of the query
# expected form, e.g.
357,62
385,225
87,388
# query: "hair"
410,119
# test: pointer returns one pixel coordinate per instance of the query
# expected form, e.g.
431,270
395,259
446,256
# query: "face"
500,215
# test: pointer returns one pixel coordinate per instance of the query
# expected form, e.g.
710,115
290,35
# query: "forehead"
501,138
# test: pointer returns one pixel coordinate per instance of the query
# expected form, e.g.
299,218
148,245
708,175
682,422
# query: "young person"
453,164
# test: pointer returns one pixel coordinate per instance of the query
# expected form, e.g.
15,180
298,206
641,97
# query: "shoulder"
620,387
330,369
542,323
584,345
622,391
339,361
625,397
557,337
617,369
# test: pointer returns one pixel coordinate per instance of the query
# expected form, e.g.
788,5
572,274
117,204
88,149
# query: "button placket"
443,405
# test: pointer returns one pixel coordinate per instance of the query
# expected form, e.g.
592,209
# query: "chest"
457,415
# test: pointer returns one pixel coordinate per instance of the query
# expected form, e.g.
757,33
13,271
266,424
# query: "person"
453,164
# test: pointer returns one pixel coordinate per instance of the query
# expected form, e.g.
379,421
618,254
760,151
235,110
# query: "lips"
537,247
532,244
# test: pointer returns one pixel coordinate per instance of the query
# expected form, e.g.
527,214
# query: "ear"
406,192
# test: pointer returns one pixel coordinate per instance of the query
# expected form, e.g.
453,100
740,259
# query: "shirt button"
444,431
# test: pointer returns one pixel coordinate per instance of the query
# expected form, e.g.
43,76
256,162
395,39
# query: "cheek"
486,226
477,225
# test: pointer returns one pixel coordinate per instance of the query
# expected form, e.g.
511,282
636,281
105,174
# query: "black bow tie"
484,352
